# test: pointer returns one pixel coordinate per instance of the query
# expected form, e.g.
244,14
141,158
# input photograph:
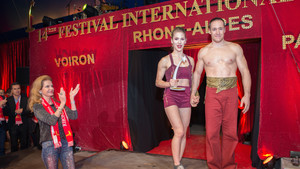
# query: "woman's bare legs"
179,119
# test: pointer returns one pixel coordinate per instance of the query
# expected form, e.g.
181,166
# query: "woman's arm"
73,93
161,69
72,114
42,115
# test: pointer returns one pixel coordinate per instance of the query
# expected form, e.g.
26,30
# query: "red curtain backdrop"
12,55
252,54
102,99
280,81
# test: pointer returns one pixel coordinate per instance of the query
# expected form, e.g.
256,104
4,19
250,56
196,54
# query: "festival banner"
151,26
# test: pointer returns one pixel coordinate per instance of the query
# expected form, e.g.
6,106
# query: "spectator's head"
2,92
15,89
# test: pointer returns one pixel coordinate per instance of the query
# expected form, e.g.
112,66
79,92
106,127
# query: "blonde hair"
178,29
37,85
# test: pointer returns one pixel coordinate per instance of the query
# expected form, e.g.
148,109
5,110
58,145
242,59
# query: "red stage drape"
252,54
102,100
280,81
12,55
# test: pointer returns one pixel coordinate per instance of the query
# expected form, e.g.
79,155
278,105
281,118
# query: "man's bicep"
199,66
200,61
242,64
241,60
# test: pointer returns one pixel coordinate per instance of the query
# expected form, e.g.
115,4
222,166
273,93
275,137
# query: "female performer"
177,103
56,136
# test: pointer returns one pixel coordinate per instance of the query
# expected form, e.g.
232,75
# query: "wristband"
73,102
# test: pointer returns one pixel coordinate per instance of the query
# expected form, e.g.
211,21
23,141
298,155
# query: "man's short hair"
215,19
14,83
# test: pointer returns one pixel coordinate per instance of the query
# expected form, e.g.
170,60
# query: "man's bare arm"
197,73
246,77
196,78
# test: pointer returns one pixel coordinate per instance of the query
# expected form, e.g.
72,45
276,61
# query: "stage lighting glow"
268,159
124,145
267,155
89,10
269,162
84,6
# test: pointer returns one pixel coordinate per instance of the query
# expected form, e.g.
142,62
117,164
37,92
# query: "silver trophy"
183,59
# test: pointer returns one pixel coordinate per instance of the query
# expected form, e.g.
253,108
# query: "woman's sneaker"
180,166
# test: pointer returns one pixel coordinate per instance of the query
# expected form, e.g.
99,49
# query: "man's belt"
221,83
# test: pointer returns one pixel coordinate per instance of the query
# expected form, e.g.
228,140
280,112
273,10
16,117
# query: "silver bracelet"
73,102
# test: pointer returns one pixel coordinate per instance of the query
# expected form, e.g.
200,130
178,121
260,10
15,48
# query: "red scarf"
1,112
65,124
18,118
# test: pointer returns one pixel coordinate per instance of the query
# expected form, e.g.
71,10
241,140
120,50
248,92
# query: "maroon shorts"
179,98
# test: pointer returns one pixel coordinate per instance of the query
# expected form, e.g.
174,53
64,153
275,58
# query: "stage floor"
133,160
110,159
158,158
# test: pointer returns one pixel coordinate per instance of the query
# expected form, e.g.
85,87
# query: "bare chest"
219,58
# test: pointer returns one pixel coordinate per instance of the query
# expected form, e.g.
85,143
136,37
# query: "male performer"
16,110
220,59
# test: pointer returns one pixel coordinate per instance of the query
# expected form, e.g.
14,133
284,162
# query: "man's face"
2,93
16,90
217,31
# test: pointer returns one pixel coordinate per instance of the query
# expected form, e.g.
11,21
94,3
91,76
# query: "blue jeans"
50,155
2,140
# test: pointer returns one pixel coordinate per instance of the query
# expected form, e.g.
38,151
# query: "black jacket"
9,110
